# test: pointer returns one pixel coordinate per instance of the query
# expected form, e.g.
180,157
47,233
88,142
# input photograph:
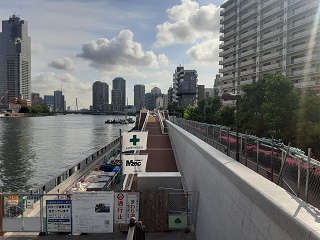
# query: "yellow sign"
13,199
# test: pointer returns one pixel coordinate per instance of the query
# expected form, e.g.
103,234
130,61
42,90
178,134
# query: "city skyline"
101,40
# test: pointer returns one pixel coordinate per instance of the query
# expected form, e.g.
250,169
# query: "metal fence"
48,186
287,166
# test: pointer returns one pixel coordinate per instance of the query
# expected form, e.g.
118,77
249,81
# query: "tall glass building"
15,60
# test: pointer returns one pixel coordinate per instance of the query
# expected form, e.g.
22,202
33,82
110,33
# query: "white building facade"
269,36
15,59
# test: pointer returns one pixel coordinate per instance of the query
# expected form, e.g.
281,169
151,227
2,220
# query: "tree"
190,113
226,116
269,108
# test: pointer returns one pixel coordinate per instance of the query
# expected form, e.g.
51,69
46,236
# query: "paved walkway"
173,235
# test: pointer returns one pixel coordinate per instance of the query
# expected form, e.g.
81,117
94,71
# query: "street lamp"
236,97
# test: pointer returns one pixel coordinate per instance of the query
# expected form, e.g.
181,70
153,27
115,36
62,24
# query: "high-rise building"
139,96
59,104
15,60
185,84
269,36
100,95
151,98
120,84
36,100
116,96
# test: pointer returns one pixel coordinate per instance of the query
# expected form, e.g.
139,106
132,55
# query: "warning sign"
13,200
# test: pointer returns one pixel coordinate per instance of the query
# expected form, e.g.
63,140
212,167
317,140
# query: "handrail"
164,129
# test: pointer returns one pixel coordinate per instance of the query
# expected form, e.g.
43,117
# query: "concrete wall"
232,202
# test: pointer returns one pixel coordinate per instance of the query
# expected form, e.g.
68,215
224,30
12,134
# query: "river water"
34,150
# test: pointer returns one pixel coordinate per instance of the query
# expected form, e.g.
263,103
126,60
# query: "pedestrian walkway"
159,150
173,235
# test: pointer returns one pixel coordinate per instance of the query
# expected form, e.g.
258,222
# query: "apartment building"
185,86
269,36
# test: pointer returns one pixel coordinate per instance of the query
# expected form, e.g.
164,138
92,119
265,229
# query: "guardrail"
287,166
161,119
51,184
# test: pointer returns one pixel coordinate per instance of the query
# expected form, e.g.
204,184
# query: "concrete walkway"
173,235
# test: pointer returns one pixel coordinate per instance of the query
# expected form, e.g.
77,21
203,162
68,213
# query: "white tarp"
134,163
92,212
134,141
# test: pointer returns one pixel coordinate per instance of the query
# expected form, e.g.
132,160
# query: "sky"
77,42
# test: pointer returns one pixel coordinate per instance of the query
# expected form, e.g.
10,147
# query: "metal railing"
287,166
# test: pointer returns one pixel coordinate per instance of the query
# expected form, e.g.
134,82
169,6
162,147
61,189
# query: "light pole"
236,97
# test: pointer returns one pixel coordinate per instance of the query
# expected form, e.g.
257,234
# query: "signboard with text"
126,206
134,141
134,163
92,212
59,215
13,200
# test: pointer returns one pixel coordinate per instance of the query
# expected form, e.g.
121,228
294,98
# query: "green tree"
269,108
190,113
226,116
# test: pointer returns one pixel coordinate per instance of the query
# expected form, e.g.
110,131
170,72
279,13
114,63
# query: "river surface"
33,150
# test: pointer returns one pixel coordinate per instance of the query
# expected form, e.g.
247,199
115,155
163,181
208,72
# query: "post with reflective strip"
1,214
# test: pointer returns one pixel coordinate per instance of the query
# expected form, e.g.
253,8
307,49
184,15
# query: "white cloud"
62,64
207,51
189,23
119,53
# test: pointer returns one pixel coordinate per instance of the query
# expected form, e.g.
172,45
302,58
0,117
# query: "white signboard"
134,141
58,215
126,206
134,163
30,204
92,212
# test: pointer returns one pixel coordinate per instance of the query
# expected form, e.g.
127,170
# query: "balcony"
245,82
227,77
250,13
230,24
230,15
306,84
252,41
271,66
305,58
221,46
248,23
303,8
271,55
221,62
245,6
221,38
230,33
304,71
230,59
230,7
269,45
252,51
246,34
250,71
299,35
272,11
302,46
277,31
268,3
229,42
225,69
275,21
302,21
247,63
229,50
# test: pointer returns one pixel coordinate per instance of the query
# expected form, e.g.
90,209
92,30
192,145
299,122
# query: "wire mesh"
271,159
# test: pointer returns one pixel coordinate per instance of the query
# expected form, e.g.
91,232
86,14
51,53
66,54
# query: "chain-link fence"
287,166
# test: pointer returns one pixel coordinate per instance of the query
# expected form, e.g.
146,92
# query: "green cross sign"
134,140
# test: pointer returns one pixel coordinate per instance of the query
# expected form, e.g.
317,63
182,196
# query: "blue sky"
78,42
